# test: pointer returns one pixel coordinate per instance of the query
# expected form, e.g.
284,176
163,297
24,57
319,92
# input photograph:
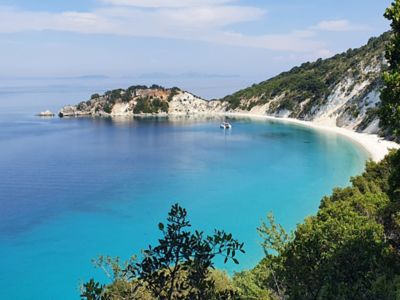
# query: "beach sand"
376,146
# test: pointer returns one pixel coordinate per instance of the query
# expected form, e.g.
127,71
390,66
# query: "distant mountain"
342,90
155,75
192,75
95,76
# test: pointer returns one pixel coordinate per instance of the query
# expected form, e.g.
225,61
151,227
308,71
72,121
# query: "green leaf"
161,226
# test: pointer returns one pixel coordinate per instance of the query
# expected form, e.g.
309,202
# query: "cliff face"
342,91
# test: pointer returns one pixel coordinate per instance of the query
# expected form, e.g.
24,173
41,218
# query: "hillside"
141,100
342,91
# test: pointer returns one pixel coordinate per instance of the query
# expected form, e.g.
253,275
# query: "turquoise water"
73,189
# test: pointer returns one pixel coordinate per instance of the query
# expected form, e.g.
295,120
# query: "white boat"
225,125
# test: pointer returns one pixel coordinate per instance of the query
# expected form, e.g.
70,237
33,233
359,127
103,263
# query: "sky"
259,38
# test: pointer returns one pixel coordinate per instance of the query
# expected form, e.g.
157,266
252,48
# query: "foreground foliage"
349,250
179,267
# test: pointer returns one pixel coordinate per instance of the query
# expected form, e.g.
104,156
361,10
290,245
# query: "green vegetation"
137,87
81,106
145,98
179,267
148,105
349,250
113,95
157,87
107,108
159,105
390,95
174,92
310,81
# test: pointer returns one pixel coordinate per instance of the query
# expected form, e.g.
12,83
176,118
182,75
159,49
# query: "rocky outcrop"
46,113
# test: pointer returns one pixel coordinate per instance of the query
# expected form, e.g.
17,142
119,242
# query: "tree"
266,281
390,95
93,291
392,211
255,284
107,108
179,267
275,242
339,254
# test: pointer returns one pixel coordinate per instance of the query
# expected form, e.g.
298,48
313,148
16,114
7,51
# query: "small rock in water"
46,113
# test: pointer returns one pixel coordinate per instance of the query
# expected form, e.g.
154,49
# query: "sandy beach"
376,146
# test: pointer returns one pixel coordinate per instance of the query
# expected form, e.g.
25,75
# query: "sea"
74,189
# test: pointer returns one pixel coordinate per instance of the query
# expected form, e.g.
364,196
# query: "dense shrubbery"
349,250
174,92
114,95
148,106
107,108
81,106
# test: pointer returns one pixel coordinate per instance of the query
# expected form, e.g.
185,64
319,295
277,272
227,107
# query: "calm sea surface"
73,189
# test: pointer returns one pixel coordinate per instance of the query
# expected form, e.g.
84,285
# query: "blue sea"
74,189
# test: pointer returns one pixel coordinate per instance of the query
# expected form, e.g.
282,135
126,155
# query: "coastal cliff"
340,91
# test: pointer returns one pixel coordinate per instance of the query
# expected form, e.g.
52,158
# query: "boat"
225,125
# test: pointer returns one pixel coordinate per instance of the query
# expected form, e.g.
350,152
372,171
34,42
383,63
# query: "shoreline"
377,147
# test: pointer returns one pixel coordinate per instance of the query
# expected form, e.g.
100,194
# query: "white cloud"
198,20
338,25
129,21
211,16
